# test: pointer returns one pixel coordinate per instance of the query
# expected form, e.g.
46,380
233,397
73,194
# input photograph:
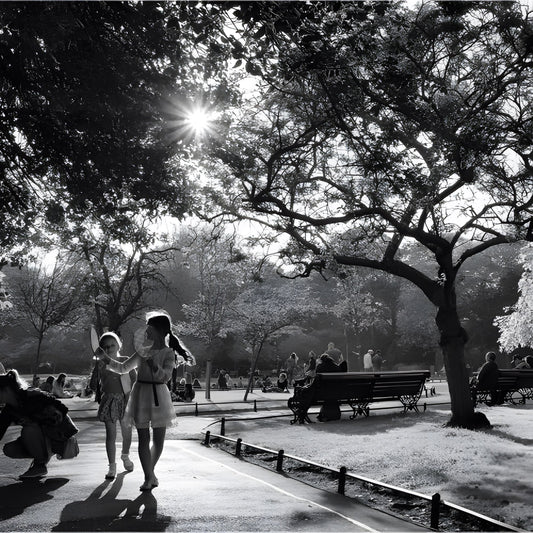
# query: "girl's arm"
124,367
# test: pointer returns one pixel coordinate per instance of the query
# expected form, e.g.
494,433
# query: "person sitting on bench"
487,379
330,409
326,364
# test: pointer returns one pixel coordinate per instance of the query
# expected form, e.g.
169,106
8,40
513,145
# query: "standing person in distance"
115,393
290,365
150,403
367,361
377,361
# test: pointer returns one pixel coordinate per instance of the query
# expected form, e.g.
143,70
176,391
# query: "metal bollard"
238,446
207,438
342,480
222,426
279,463
196,409
435,510
255,406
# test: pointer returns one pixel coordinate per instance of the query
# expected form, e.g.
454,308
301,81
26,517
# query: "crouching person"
47,429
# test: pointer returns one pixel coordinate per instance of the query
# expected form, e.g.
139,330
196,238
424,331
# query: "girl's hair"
113,335
12,380
61,376
162,323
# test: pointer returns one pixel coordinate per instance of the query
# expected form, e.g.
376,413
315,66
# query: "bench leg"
359,409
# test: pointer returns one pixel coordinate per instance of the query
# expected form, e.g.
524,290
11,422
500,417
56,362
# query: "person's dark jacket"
44,409
488,376
326,365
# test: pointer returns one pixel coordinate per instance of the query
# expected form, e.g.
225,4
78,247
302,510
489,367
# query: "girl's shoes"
128,463
147,485
112,472
150,484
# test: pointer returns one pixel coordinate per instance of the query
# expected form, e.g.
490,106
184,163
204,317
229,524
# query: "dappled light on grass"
487,471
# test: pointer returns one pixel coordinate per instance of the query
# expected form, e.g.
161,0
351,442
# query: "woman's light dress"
142,406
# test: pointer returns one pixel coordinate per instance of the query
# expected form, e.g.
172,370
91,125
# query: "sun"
188,122
199,119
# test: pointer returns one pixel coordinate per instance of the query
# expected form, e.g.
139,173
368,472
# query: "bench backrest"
342,386
395,384
368,385
521,378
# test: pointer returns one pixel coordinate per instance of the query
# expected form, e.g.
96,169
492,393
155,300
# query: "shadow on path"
17,497
103,511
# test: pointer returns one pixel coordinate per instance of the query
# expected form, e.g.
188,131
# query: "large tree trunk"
452,341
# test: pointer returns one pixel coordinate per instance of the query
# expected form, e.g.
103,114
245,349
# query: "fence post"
238,447
207,438
342,480
435,510
279,463
222,426
196,409
255,406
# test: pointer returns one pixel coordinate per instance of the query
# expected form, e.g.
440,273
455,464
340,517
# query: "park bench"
514,386
358,390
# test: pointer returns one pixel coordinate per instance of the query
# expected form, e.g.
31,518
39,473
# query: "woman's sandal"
150,484
147,485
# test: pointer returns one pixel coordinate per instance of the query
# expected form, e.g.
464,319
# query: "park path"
201,489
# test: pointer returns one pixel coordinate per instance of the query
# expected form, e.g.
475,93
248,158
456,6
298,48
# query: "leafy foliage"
516,327
90,93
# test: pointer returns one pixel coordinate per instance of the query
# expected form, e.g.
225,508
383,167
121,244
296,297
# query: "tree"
380,124
95,106
262,312
216,259
516,327
50,298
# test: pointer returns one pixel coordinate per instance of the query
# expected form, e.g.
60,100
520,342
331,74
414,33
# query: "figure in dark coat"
487,378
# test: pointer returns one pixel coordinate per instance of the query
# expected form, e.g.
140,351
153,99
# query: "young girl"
150,403
115,393
46,426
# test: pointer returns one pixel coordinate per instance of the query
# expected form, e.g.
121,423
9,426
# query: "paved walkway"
201,489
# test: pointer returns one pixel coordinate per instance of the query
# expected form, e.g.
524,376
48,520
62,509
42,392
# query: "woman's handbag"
70,450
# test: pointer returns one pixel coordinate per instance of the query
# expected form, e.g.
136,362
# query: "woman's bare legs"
144,453
126,430
149,456
157,449
110,440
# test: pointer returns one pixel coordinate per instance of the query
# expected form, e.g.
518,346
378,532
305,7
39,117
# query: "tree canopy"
94,99
377,125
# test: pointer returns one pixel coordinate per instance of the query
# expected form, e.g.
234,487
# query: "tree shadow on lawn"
378,424
512,438
504,491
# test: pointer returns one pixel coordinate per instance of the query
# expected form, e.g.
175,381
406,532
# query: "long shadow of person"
103,511
17,497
